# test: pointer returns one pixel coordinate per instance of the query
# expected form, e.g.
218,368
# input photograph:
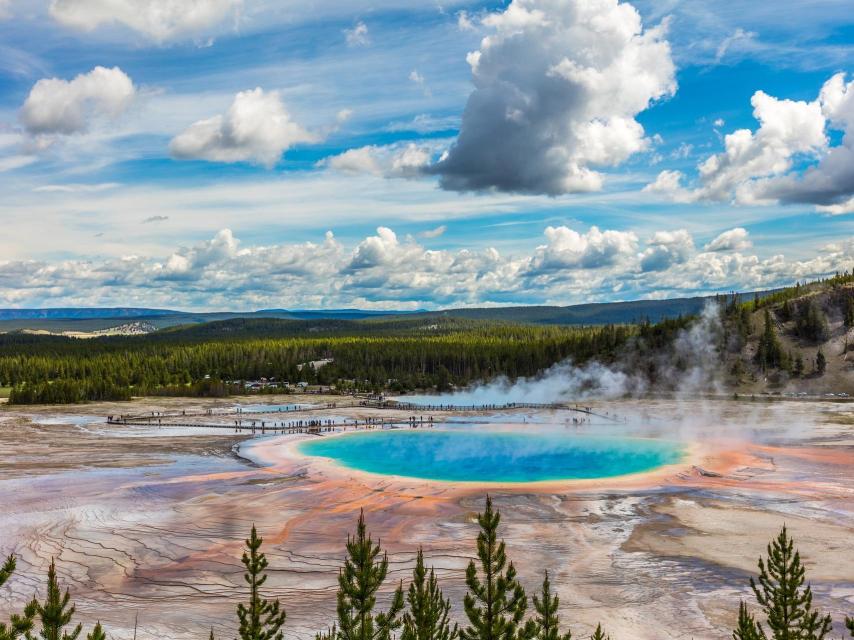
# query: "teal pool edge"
646,455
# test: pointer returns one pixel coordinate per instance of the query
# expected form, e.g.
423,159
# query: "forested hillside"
369,355
795,340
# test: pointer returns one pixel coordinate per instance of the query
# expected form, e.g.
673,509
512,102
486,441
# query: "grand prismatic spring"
472,455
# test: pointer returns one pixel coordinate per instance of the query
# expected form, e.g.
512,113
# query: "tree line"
53,369
495,606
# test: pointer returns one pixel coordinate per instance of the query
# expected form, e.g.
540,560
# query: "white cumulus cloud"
566,247
830,183
732,240
558,84
400,160
256,128
156,19
761,166
665,249
57,106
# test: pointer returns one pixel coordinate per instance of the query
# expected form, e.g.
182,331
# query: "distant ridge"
88,313
591,313
69,313
94,319
344,314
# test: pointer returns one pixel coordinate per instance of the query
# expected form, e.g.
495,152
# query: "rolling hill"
78,321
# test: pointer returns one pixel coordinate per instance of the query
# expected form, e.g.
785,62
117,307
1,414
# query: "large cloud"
567,248
557,87
157,19
665,249
256,128
830,184
56,106
761,167
387,271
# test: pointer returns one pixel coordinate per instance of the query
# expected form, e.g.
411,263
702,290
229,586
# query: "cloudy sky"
241,154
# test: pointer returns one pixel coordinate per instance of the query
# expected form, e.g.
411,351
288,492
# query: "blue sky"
233,154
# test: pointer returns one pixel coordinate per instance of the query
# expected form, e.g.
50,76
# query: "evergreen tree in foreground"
97,633
849,623
547,620
428,617
495,603
260,619
782,596
56,612
18,625
746,629
360,579
599,634
7,569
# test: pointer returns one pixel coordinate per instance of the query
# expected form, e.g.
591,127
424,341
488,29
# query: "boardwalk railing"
414,406
272,427
233,411
178,418
564,406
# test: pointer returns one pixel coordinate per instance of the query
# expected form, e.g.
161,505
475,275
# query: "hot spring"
493,456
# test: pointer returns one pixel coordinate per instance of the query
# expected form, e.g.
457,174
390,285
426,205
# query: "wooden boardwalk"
216,413
273,427
241,420
562,406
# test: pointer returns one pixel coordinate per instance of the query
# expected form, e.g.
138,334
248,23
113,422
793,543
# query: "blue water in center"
490,456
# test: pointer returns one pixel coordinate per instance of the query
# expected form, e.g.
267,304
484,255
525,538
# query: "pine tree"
55,613
7,569
547,620
820,362
428,617
769,353
495,604
19,624
799,365
97,633
599,634
359,581
746,629
849,623
260,619
786,602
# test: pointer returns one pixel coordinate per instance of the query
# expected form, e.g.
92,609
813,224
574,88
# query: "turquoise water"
489,456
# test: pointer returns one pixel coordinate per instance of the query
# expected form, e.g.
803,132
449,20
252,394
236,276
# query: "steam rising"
690,366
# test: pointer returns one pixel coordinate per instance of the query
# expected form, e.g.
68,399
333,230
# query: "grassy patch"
4,392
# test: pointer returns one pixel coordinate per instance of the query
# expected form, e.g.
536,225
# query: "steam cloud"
690,366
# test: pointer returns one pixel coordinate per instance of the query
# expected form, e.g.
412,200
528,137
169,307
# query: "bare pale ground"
152,521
